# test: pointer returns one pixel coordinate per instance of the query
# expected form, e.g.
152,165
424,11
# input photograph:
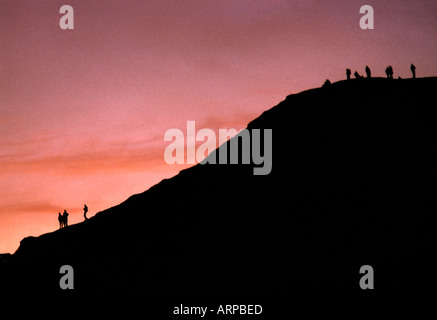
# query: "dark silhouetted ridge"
352,184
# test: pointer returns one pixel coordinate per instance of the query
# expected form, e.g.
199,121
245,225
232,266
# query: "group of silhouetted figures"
388,72
63,218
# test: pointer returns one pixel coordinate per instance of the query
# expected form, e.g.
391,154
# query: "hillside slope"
352,184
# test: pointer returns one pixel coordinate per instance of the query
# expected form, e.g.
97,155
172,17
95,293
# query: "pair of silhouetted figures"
389,72
63,218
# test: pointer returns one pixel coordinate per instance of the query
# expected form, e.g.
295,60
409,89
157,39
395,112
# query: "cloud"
110,161
30,207
94,157
236,121
23,142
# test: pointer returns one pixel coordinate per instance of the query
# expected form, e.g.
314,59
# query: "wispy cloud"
112,160
30,207
51,154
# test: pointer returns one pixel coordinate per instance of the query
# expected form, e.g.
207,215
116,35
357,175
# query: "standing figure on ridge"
368,73
65,218
61,221
413,70
85,210
348,74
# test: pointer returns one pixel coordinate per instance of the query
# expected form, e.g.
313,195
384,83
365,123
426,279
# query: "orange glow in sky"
83,112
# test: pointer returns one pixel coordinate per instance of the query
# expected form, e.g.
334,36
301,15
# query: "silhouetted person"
413,70
60,220
368,73
85,210
65,218
357,75
348,74
326,84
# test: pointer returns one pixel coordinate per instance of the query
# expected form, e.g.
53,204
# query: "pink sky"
83,112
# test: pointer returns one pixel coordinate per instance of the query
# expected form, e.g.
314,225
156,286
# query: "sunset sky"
83,112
